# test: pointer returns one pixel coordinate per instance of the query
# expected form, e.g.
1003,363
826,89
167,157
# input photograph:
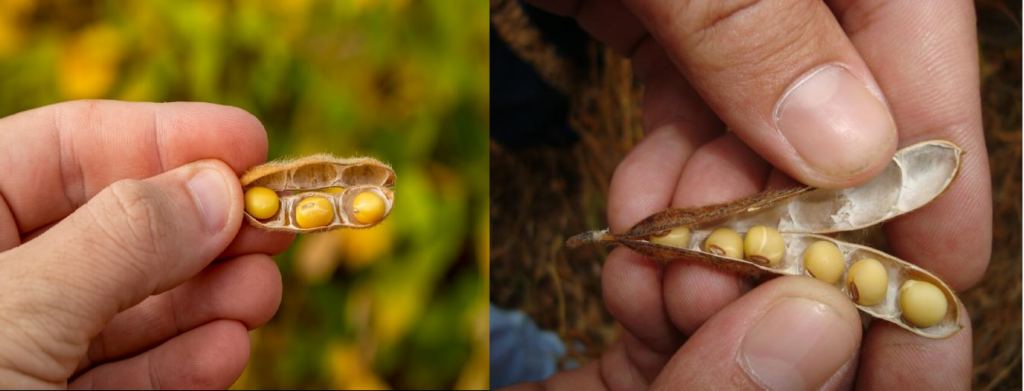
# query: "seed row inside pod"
318,193
779,233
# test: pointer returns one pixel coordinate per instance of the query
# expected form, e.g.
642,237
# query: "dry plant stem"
334,182
917,175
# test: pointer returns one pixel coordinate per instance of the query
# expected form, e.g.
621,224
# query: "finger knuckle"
134,221
756,31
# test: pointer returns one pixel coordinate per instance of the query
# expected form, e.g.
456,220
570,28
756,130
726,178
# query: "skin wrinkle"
135,201
758,49
68,348
154,373
634,372
601,372
56,115
656,360
119,248
92,355
21,366
632,52
175,316
856,19
9,238
7,165
902,346
77,179
713,21
156,139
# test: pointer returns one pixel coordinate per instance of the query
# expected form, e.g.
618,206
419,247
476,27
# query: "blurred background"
401,305
567,110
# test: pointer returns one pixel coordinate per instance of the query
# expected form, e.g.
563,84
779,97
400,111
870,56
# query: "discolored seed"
313,212
724,242
261,202
867,281
764,245
676,237
923,304
824,261
368,208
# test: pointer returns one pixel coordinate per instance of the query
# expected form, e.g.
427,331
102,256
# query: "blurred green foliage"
400,305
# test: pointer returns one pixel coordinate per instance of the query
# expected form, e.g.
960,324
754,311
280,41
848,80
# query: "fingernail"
798,345
834,122
211,192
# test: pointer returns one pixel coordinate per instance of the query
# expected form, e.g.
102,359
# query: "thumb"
791,333
134,239
786,78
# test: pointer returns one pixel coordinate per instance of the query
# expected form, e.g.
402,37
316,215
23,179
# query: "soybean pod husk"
917,175
338,180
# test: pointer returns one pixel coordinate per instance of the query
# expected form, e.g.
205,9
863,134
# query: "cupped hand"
111,217
819,92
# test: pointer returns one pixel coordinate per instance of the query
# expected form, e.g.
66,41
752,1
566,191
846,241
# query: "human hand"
110,216
820,92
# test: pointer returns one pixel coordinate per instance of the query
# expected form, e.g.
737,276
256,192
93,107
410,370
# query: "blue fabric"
520,351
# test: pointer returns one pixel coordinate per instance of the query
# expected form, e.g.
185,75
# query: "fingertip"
267,276
642,183
694,292
819,178
213,357
631,282
631,285
837,125
894,358
247,289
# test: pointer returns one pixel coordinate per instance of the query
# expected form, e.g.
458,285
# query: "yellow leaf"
88,66
10,36
476,373
350,370
361,247
395,312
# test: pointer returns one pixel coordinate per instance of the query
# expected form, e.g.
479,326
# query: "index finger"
57,157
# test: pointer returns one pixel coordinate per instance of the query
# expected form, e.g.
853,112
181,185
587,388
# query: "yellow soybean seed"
368,208
764,245
677,237
333,190
261,202
724,242
314,212
867,281
824,261
923,304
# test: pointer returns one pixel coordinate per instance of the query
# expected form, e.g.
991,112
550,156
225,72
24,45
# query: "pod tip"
587,237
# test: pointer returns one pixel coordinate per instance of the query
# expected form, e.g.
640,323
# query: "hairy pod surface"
917,175
332,192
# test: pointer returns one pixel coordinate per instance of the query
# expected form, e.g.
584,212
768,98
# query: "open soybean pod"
319,193
916,176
